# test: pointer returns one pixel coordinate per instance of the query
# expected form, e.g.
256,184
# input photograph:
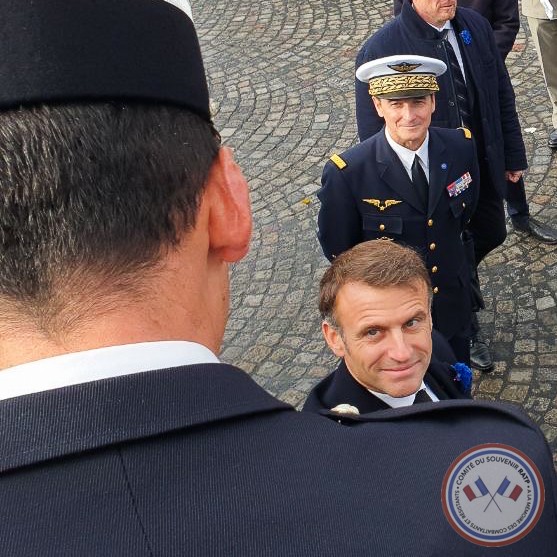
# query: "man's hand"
513,175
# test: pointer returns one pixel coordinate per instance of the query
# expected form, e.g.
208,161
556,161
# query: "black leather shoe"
552,139
538,230
480,357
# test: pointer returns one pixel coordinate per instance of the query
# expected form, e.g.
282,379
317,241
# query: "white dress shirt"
399,402
451,37
101,363
406,156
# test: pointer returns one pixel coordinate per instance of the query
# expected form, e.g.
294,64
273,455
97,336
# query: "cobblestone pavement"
281,79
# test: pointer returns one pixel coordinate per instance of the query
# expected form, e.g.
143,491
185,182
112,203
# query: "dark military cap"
56,51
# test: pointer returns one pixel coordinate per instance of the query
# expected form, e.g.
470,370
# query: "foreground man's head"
118,201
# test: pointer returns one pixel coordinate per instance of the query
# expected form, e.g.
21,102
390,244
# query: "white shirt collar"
101,363
406,156
451,37
448,25
399,402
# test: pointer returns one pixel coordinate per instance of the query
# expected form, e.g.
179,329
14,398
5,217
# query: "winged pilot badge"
403,67
382,205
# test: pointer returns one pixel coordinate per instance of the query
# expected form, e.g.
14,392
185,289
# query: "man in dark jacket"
375,302
504,18
465,41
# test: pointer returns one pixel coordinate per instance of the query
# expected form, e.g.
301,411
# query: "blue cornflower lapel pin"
463,375
466,36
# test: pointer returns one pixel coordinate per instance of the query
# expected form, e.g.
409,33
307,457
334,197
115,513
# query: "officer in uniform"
410,183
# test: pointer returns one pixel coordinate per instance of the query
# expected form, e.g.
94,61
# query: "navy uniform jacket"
496,126
502,15
200,461
374,174
341,388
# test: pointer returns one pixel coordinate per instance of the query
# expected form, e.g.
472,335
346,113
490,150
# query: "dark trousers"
461,348
488,222
517,206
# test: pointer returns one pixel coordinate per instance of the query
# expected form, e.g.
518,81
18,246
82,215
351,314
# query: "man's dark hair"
104,188
375,263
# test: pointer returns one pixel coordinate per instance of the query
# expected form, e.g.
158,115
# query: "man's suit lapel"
392,172
344,389
432,382
469,64
440,162
441,382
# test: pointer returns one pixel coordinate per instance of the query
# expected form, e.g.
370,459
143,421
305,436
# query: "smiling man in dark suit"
375,302
410,183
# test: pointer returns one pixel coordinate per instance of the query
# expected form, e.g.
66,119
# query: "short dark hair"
103,187
376,263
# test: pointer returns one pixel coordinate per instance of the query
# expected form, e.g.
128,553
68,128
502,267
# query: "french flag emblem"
478,489
506,489
475,490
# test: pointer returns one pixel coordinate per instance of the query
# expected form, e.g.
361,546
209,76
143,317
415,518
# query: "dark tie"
420,181
461,91
422,396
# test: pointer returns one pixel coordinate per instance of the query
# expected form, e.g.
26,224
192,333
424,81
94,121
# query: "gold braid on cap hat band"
394,83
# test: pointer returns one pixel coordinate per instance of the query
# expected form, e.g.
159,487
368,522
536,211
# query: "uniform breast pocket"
377,226
458,206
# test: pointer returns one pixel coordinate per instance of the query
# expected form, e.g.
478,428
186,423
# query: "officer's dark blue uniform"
495,122
366,194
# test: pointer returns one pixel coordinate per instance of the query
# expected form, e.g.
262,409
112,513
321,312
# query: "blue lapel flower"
463,376
466,37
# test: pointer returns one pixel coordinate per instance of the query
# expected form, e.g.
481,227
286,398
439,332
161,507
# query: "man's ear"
333,339
377,104
230,211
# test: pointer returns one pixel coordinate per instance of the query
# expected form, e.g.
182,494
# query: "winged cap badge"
382,206
404,67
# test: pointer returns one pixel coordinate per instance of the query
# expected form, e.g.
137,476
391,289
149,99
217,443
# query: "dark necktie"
422,396
461,91
420,181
